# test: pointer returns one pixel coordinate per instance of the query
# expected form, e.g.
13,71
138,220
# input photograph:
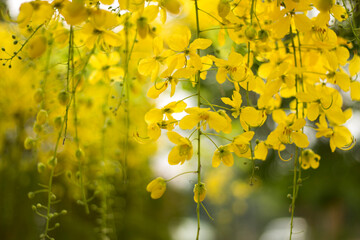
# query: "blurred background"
328,206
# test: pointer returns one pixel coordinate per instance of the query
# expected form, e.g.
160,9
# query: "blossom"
340,136
288,131
223,154
179,42
35,12
241,144
309,159
106,67
182,151
205,116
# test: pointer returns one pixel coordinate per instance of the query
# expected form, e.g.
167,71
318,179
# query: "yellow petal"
339,12
261,151
188,122
174,137
354,65
200,43
300,139
302,22
355,91
153,116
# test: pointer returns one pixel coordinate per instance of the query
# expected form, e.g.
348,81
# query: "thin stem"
218,135
206,135
294,193
69,68
296,160
207,102
168,180
207,213
197,80
24,44
218,106
212,16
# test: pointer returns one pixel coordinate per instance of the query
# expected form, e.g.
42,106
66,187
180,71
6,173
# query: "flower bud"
156,187
263,35
223,8
57,122
250,32
63,98
80,155
31,195
39,95
42,117
41,167
52,162
29,143
199,192
37,128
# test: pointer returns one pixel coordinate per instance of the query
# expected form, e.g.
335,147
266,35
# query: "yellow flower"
203,115
288,131
252,117
179,42
327,7
182,151
172,6
290,15
143,18
309,159
155,115
155,126
156,187
261,151
172,78
151,66
37,46
35,12
98,30
106,67
199,192
233,69
74,12
241,144
340,136
223,153
235,103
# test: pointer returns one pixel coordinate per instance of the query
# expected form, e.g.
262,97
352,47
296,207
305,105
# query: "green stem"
197,79
296,160
24,44
168,180
209,103
206,135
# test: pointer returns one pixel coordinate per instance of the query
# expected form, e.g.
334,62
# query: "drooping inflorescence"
274,63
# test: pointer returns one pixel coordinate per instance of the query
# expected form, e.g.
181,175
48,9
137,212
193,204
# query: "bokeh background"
328,206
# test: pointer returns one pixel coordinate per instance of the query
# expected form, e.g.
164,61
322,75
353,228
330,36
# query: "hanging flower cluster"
282,59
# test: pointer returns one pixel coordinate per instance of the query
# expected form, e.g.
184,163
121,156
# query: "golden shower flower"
179,43
105,67
340,137
204,116
34,13
223,154
241,144
182,151
288,131
309,159
37,46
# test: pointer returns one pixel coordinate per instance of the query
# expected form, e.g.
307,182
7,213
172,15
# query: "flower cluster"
278,67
